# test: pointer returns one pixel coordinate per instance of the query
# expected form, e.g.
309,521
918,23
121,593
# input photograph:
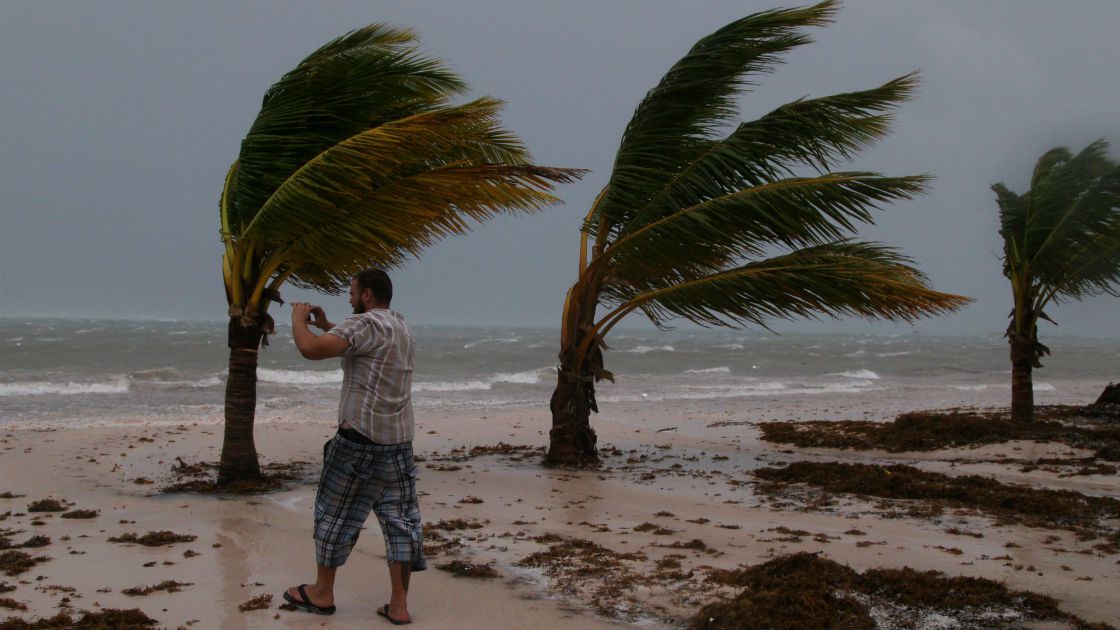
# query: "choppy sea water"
77,372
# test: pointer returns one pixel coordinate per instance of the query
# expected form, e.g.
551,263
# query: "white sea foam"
1044,387
883,355
491,340
858,374
300,377
528,377
771,388
731,346
39,388
857,353
970,388
712,370
451,386
645,349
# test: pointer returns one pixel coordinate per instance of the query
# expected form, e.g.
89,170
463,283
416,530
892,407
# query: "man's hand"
301,312
312,314
320,316
308,344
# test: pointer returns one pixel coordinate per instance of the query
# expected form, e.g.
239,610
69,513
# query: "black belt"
354,436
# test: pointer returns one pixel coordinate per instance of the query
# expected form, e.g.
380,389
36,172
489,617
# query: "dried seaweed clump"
1037,507
171,586
11,604
154,539
803,590
81,514
576,565
46,505
929,430
108,619
260,602
458,568
16,562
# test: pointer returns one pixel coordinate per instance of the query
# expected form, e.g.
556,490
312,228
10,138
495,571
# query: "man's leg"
340,511
398,513
399,573
321,592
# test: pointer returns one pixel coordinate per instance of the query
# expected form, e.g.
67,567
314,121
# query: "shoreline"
682,469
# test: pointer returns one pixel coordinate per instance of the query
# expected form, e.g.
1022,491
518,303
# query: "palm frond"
793,212
837,279
807,133
363,79
388,192
672,125
1061,235
1013,213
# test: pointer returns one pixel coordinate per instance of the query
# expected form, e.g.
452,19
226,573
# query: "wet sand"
671,476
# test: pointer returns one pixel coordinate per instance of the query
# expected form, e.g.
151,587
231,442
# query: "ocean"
59,373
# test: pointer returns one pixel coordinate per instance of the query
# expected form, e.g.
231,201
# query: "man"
368,464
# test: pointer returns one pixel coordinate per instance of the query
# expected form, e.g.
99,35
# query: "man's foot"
396,621
300,598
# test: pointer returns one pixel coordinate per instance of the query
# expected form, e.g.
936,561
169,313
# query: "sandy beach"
671,477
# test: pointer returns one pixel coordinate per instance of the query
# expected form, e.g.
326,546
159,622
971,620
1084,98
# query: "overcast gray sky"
119,119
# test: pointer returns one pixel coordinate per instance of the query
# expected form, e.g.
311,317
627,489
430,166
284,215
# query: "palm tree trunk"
1022,385
571,439
239,453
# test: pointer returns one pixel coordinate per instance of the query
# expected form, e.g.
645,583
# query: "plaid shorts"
359,478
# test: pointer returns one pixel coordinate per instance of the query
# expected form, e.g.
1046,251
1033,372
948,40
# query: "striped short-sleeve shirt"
377,376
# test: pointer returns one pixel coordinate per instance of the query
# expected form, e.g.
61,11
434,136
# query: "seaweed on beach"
11,604
575,564
201,478
804,590
1036,507
108,619
260,602
928,430
81,514
154,539
171,586
458,568
46,505
454,524
15,562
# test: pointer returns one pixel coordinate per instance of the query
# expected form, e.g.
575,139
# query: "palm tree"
1061,241
739,229
355,159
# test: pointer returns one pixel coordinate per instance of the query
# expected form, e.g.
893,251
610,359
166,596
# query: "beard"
359,308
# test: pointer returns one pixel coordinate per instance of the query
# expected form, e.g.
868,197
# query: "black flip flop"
384,612
306,604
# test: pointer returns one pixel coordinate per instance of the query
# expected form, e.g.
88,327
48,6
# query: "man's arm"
310,345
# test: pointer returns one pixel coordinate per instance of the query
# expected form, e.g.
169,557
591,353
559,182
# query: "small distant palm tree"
1061,241
738,229
355,159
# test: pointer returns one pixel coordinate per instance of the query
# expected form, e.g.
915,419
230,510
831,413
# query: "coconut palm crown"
356,159
1061,242
734,229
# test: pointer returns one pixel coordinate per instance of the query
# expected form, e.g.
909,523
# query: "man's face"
356,298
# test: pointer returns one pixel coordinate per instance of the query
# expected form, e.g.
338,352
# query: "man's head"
370,288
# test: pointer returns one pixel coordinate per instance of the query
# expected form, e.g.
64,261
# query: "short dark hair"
376,281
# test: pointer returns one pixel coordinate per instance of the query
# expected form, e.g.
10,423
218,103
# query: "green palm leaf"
365,78
793,212
696,98
845,278
808,133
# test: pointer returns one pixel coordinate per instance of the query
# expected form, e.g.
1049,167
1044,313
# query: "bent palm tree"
735,230
1061,241
355,159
